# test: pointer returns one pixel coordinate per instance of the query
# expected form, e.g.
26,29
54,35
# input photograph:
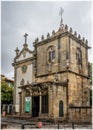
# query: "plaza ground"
15,123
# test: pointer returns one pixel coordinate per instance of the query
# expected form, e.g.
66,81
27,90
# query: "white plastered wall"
19,76
21,57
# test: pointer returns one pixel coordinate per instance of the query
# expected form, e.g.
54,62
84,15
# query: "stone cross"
25,37
60,13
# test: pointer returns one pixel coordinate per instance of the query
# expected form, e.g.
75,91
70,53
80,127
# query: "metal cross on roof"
60,13
25,37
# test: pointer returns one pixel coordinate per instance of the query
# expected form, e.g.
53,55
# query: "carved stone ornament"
24,68
28,83
83,39
67,63
86,41
71,31
42,38
48,35
75,33
66,27
50,67
79,37
17,51
53,32
24,53
36,40
22,82
25,46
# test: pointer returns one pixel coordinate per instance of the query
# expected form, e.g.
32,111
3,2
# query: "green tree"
6,93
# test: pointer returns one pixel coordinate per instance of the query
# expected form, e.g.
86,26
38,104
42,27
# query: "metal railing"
45,123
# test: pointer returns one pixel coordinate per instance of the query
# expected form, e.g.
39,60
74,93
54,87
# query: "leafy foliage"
6,93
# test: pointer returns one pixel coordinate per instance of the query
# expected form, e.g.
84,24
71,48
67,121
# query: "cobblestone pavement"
16,124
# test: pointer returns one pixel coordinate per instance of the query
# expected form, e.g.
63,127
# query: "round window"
24,68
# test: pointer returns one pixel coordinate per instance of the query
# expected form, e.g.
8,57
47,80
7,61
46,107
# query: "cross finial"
25,37
60,13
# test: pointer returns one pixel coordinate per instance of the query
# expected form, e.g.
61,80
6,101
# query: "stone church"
53,77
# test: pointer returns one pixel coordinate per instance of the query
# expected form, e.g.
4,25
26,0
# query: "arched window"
79,57
51,54
60,109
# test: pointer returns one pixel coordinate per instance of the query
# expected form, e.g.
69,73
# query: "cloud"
37,18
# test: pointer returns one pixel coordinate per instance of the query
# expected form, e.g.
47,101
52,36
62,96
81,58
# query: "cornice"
81,107
79,41
50,39
65,71
28,50
60,35
23,61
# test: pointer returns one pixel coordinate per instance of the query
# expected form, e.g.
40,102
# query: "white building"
22,70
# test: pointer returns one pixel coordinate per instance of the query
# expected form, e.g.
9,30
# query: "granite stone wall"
80,115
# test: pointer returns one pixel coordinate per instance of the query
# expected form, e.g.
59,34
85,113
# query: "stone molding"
82,107
22,51
65,71
60,35
23,61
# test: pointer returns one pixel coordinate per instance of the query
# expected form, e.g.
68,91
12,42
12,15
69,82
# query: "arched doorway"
60,109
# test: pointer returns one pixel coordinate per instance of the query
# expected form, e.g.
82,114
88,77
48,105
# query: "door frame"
34,109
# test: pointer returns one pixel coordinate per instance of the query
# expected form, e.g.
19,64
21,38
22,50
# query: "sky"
37,18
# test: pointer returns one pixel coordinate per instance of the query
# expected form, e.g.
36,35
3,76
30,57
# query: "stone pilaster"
20,102
14,96
31,105
53,97
50,101
40,104
23,101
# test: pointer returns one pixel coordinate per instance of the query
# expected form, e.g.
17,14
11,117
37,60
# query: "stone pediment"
24,54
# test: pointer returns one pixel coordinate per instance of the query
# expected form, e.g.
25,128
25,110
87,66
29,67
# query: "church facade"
53,77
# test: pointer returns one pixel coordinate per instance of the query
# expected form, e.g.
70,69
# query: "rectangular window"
45,104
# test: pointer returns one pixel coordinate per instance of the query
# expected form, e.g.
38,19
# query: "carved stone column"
31,104
53,97
20,103
50,101
23,101
14,96
40,104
